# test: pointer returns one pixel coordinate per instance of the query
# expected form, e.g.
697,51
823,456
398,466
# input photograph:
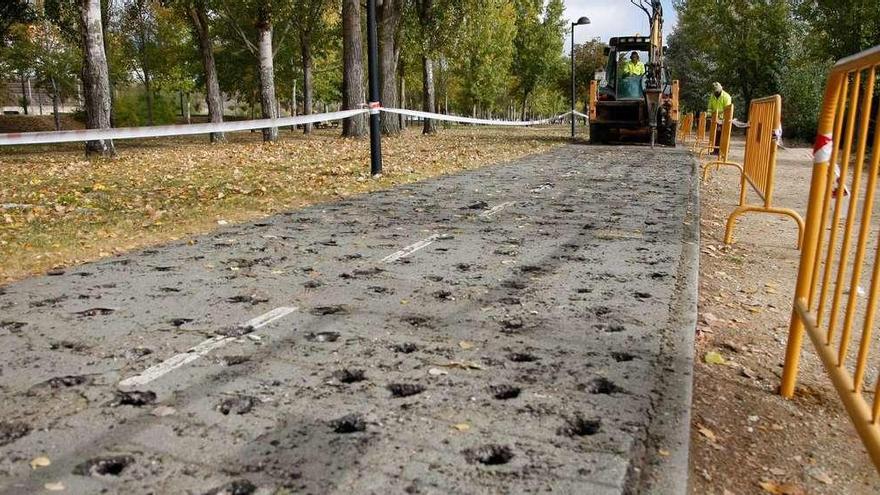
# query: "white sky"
613,18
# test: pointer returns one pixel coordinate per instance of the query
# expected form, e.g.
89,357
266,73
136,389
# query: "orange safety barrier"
759,164
724,145
686,127
713,135
846,112
700,133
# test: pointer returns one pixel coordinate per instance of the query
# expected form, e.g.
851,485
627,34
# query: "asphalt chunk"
400,390
112,465
490,455
504,392
322,336
134,398
241,404
235,487
350,423
346,375
577,426
67,381
12,431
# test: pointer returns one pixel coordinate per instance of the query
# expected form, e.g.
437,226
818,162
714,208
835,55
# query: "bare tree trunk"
55,105
186,114
525,100
401,94
428,94
95,77
389,22
267,73
148,87
199,19
353,69
308,98
24,95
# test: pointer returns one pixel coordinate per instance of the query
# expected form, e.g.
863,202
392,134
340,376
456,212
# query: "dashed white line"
495,209
412,248
200,350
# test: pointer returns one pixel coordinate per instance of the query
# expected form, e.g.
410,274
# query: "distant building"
40,101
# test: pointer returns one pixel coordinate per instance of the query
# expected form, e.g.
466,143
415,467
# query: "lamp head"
582,21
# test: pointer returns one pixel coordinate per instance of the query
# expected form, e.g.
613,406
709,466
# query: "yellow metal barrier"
700,133
686,128
759,164
724,145
712,137
846,107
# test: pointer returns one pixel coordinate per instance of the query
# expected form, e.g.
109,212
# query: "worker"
634,67
718,101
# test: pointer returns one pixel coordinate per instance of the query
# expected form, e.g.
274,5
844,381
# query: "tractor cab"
617,85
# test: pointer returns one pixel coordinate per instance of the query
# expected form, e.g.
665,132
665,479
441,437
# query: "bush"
802,91
131,108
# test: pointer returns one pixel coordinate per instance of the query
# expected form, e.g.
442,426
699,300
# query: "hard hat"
717,86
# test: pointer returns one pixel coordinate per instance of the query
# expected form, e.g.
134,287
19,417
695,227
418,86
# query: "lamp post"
373,76
580,22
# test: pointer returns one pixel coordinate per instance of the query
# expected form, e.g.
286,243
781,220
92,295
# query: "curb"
670,427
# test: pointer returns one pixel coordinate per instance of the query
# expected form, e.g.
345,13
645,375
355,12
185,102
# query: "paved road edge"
666,459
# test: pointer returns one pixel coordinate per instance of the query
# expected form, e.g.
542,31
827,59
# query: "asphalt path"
519,328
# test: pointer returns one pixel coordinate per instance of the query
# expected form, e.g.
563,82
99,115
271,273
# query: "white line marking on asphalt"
200,350
412,248
495,209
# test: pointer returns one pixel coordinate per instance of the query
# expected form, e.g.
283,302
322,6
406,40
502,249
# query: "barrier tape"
470,120
79,135
46,137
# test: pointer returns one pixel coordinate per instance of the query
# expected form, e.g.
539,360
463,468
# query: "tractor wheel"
666,134
598,134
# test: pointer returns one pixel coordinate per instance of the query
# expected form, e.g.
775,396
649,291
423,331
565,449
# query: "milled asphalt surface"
544,335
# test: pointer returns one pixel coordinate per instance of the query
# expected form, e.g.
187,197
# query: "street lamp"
580,22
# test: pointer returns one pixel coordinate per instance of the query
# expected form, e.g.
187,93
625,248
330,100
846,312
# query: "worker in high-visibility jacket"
718,101
633,67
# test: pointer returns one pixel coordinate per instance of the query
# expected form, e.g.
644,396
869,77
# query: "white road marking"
495,209
412,248
200,350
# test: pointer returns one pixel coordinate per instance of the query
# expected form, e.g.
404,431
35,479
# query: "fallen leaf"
464,365
706,432
819,475
663,452
54,487
462,426
713,357
783,489
163,411
464,344
437,372
38,462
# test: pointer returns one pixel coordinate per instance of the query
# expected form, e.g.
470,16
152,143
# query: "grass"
59,209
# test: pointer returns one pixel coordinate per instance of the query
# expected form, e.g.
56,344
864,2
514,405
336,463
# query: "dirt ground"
745,438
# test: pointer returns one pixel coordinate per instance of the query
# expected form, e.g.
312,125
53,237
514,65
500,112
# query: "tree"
140,29
56,65
485,54
311,28
352,68
198,17
260,15
437,22
589,57
388,16
538,44
95,77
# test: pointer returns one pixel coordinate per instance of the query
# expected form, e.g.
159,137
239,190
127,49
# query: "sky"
613,18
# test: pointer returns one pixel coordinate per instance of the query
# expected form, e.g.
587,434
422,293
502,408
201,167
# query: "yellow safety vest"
717,104
631,68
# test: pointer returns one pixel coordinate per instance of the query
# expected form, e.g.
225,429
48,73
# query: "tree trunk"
55,104
305,44
401,94
525,100
24,95
267,74
148,87
428,94
95,77
389,22
199,19
353,69
186,114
